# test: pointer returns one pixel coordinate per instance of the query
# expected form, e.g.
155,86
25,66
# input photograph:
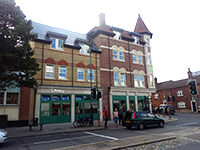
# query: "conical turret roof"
141,28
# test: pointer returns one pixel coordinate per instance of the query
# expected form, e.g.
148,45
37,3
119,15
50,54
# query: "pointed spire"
140,27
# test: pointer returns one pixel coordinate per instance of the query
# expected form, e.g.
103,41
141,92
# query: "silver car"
3,136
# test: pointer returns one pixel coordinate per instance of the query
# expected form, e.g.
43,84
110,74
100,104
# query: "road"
185,121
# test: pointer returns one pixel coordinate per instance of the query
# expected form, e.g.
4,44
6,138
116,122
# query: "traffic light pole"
91,84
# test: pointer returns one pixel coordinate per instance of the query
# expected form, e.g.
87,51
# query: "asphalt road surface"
185,121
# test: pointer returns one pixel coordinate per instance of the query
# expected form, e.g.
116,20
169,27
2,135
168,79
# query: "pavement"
19,132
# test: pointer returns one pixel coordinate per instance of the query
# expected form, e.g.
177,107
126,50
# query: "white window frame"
140,61
49,69
116,80
118,55
136,41
147,42
117,35
65,74
89,75
134,58
83,71
57,43
84,49
136,82
142,83
179,93
156,96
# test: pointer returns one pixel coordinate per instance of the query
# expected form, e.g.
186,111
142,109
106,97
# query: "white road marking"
60,140
185,124
108,137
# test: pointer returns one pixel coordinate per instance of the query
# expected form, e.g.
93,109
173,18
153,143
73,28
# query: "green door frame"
86,99
119,98
61,99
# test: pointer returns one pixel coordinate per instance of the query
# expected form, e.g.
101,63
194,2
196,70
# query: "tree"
17,64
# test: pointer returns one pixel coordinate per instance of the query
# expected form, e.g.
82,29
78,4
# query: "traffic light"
193,87
99,94
93,93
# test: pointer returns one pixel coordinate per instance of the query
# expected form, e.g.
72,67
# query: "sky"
174,23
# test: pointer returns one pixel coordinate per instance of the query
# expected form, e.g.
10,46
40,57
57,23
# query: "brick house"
176,93
125,65
63,92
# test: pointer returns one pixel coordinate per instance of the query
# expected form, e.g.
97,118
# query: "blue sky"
174,24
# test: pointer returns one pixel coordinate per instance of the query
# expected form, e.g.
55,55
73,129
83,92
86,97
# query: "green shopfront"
55,109
62,108
135,103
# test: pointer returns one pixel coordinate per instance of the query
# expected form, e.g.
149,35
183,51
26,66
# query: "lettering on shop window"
57,91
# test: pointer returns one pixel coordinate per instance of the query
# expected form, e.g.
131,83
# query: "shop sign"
57,91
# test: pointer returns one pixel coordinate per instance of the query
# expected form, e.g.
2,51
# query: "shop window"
45,98
79,98
132,105
55,109
95,107
66,98
45,109
56,98
87,108
79,108
86,97
66,109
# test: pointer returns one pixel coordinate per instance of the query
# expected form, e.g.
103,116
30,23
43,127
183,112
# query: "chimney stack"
102,19
189,74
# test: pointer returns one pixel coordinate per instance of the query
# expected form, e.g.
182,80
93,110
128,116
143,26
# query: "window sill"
92,81
49,78
81,80
62,79
56,49
119,60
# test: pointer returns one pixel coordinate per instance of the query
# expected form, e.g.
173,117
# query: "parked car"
3,136
142,120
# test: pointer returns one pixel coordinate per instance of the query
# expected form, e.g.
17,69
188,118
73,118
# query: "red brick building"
125,65
177,93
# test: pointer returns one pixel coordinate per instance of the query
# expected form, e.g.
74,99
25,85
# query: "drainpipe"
109,75
73,67
145,67
130,64
42,63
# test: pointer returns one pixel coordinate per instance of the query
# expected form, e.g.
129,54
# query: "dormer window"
56,43
117,35
136,41
84,49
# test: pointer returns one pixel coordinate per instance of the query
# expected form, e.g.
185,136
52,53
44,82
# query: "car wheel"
128,127
141,126
161,124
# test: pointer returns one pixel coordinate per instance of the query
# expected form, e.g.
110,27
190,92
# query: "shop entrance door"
119,103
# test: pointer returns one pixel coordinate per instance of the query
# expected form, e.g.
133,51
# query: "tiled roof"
70,38
141,27
105,29
175,84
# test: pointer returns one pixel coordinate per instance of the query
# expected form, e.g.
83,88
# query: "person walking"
121,111
105,116
115,117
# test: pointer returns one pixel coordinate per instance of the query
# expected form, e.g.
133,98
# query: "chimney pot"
102,19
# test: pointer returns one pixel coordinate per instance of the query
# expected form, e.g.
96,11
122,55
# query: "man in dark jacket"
120,112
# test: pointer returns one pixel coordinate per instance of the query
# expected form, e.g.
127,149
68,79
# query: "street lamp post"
91,84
